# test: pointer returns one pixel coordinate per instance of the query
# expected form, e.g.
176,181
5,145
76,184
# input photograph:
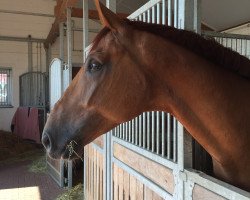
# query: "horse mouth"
72,151
69,152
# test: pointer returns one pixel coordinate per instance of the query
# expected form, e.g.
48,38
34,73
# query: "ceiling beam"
93,14
60,16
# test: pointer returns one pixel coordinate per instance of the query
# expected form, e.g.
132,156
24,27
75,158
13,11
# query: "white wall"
15,54
243,30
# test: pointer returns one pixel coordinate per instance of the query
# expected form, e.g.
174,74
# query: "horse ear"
108,18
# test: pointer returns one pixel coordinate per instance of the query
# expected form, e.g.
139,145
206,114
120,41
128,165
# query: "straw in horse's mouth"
70,148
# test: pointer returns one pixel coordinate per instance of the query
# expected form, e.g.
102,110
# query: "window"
5,87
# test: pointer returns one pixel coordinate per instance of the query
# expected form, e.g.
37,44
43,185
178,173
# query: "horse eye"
94,66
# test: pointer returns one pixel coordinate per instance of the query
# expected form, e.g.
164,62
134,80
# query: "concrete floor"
17,183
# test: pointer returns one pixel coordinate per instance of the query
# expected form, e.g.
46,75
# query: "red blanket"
26,123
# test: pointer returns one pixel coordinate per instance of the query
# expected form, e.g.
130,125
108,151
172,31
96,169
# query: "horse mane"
207,47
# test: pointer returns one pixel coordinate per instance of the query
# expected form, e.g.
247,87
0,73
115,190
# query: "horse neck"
202,96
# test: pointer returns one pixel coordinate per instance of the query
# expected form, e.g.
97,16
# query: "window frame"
8,102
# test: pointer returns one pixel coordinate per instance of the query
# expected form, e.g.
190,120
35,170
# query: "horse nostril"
46,141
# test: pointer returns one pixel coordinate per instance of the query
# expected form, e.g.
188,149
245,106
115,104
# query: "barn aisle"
18,183
23,171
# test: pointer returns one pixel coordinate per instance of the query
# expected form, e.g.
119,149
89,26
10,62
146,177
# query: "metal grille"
5,87
239,43
33,89
152,12
154,131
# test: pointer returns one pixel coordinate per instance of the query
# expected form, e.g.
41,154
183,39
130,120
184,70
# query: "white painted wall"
243,30
15,54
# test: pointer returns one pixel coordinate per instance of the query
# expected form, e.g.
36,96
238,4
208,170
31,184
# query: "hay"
13,148
29,155
75,193
38,165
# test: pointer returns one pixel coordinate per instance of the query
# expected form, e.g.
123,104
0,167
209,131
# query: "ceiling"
225,14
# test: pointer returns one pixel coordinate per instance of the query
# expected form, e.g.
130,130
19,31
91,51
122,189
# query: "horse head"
110,88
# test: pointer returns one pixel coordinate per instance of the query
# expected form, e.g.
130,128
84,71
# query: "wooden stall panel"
94,173
155,172
127,187
99,141
200,192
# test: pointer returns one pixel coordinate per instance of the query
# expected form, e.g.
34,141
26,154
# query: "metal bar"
157,132
236,45
176,14
140,18
85,32
158,13
129,130
144,129
25,13
163,12
140,130
115,132
123,131
174,140
133,131
168,135
147,182
163,133
30,55
21,39
37,56
69,43
246,48
77,29
136,130
148,16
197,16
120,131
153,131
61,181
144,17
8,87
241,47
108,166
70,169
40,52
97,178
153,14
126,131
148,130
170,12
61,52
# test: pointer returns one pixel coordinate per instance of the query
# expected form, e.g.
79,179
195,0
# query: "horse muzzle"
51,149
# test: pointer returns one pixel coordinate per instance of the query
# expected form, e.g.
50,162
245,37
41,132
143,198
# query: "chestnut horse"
135,67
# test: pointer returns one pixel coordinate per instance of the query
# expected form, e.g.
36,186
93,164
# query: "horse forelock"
207,48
